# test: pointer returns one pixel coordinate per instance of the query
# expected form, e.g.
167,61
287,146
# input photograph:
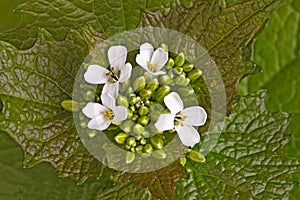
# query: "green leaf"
36,82
41,181
124,191
161,183
248,161
58,17
223,32
277,52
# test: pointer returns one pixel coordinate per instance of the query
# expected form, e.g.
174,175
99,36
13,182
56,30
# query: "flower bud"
194,74
188,67
131,141
129,114
133,100
182,161
161,92
132,149
129,91
138,129
146,134
143,141
139,149
132,108
165,79
152,85
143,110
196,156
148,148
83,123
164,47
135,117
139,84
145,93
179,60
127,125
120,138
180,80
160,154
70,105
122,101
170,63
89,95
92,133
81,116
157,142
129,157
178,70
144,120
185,91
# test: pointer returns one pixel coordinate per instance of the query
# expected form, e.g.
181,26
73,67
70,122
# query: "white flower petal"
157,73
196,116
173,102
160,58
108,101
112,89
165,122
117,57
188,135
99,123
125,72
146,51
120,113
96,74
141,61
93,109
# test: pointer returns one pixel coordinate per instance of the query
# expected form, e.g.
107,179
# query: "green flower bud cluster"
151,146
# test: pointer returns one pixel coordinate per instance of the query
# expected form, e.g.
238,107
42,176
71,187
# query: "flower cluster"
147,104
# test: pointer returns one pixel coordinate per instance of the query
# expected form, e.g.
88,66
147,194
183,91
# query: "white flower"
152,61
119,72
103,115
181,119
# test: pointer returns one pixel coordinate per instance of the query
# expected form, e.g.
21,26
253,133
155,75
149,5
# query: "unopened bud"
89,95
131,141
152,85
159,154
145,93
122,101
120,138
178,70
70,105
194,74
188,67
157,142
180,80
139,84
127,125
148,148
165,79
143,110
139,149
138,129
130,156
164,47
170,63
161,92
179,60
196,156
144,120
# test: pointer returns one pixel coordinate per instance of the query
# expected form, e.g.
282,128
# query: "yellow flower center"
152,67
109,115
113,76
179,118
